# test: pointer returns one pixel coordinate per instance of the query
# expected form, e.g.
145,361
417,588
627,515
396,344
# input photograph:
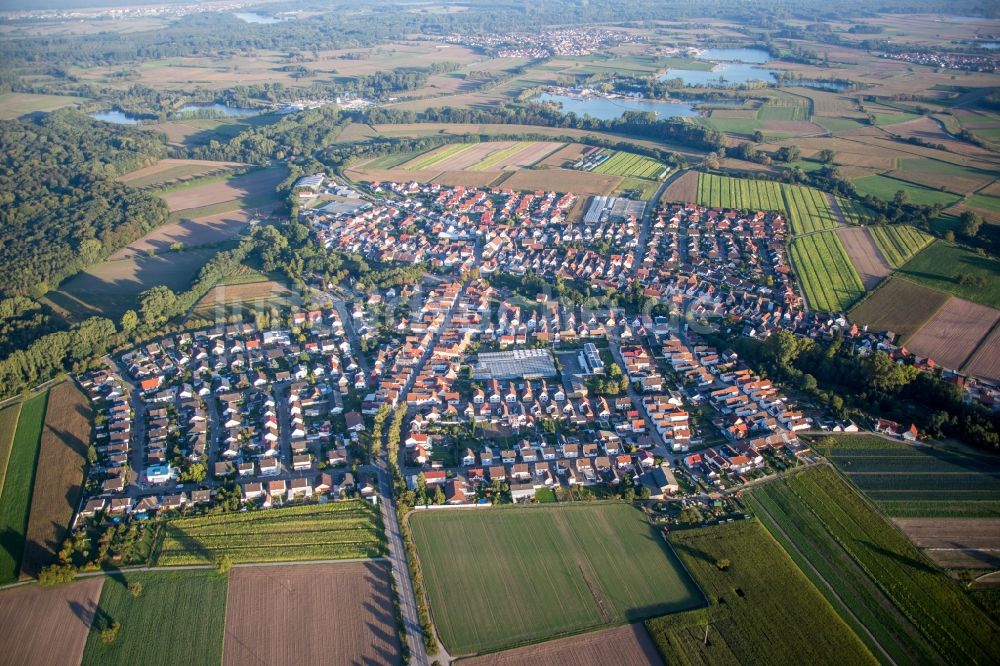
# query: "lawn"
336,530
178,619
943,265
885,188
828,278
761,592
899,306
15,501
917,613
899,242
498,578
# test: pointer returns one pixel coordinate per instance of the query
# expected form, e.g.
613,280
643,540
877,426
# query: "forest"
61,208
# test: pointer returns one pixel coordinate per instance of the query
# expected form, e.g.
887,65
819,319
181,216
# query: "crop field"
899,242
542,572
62,457
178,619
956,543
761,590
336,530
172,170
916,613
808,209
311,614
622,163
954,332
943,265
867,259
828,279
66,612
13,105
785,108
15,501
726,192
986,206
485,156
8,424
629,644
187,232
985,361
853,212
900,306
684,189
936,174
255,188
885,188
580,183
224,299
467,178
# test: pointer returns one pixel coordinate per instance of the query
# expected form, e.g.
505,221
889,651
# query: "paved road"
137,445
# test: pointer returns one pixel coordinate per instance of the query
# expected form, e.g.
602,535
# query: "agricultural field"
985,361
785,108
621,163
944,265
486,156
899,242
13,105
866,258
629,644
8,424
954,333
885,188
580,183
62,458
726,192
311,614
66,612
336,530
178,619
900,306
202,231
225,299
956,543
852,211
684,188
253,189
808,209
761,589
15,500
547,571
828,279
936,174
168,171
913,610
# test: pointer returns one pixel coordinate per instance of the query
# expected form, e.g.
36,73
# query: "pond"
721,76
221,109
818,84
115,116
607,109
254,17
747,55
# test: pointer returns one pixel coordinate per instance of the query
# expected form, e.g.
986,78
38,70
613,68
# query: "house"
455,492
354,422
253,491
661,482
323,484
302,463
269,466
277,489
157,474
300,488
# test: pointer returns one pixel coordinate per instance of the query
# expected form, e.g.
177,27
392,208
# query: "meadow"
828,278
499,578
761,590
8,424
336,530
900,306
13,105
885,188
916,613
15,501
899,242
178,619
943,265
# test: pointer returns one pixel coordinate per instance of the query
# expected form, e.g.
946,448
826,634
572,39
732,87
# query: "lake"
721,76
254,17
607,109
115,116
752,56
829,86
221,109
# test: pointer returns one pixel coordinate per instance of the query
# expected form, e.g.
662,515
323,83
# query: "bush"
56,574
110,633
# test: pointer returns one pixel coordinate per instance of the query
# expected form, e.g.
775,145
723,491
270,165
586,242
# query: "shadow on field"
901,559
91,614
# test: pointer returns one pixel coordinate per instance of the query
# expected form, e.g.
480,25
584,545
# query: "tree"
788,153
722,565
109,634
900,197
969,224
156,304
224,564
130,320
439,497
645,493
56,574
826,156
135,589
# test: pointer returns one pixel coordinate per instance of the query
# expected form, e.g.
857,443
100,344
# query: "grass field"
785,108
179,619
8,424
899,306
828,279
62,458
498,578
761,592
336,530
885,188
622,163
899,242
169,171
917,614
15,501
941,266
13,105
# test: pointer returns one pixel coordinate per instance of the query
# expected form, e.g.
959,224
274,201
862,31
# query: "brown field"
563,180
202,231
62,456
472,156
733,113
629,644
467,178
954,332
929,130
360,173
684,189
173,169
899,306
869,262
258,182
745,166
992,190
792,126
356,132
956,543
13,105
985,361
48,626
310,614
568,154
964,184
848,153
223,298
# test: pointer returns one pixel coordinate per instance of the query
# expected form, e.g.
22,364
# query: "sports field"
497,578
828,278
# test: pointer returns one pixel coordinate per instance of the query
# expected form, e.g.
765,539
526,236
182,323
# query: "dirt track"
864,254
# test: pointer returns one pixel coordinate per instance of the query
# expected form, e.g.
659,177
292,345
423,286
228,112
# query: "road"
647,217
138,434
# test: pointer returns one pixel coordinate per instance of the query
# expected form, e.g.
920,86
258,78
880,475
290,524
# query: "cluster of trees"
874,385
61,208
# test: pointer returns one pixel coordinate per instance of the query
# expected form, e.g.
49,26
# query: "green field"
500,156
336,530
8,424
394,160
828,278
944,481
899,242
885,188
622,163
726,192
762,592
942,266
916,613
838,124
900,306
437,156
13,105
497,578
179,619
808,209
15,501
985,203
785,108
854,213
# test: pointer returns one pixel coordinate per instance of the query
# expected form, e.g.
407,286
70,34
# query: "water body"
222,109
115,116
829,86
751,56
735,67
988,45
607,109
254,17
